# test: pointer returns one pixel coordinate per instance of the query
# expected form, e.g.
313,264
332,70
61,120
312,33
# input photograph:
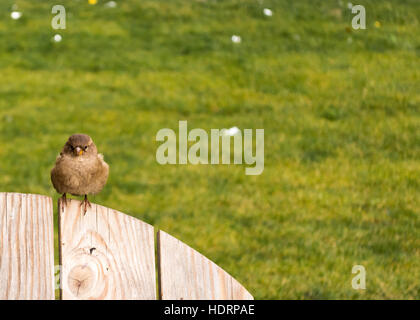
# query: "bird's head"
79,145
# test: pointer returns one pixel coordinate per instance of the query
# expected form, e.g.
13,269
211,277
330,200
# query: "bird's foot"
63,202
85,204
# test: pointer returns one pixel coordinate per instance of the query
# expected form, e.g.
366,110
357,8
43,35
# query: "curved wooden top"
104,254
185,274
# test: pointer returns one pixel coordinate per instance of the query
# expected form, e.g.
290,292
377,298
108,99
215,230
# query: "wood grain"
185,274
26,247
105,254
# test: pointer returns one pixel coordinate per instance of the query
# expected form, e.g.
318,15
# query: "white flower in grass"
16,15
230,132
349,5
268,12
236,39
111,4
57,38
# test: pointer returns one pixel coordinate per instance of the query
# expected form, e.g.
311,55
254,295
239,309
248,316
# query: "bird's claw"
85,203
63,202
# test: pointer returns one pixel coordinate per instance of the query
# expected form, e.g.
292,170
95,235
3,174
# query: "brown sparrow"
79,170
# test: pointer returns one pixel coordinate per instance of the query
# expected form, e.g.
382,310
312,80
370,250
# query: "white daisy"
111,4
236,39
57,38
230,132
16,15
268,12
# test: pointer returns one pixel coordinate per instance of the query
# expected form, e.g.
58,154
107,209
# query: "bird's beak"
78,151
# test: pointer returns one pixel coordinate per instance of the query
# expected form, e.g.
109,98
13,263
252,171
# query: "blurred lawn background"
340,109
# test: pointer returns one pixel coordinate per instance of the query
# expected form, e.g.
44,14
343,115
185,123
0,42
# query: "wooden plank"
105,254
26,247
185,274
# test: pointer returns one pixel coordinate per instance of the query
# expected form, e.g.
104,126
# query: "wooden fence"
104,254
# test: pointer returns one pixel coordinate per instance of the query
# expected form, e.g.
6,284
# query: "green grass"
340,109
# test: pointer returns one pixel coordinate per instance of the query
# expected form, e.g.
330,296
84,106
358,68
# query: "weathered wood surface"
26,247
185,274
105,254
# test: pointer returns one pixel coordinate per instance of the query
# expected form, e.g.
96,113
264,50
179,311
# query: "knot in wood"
80,280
